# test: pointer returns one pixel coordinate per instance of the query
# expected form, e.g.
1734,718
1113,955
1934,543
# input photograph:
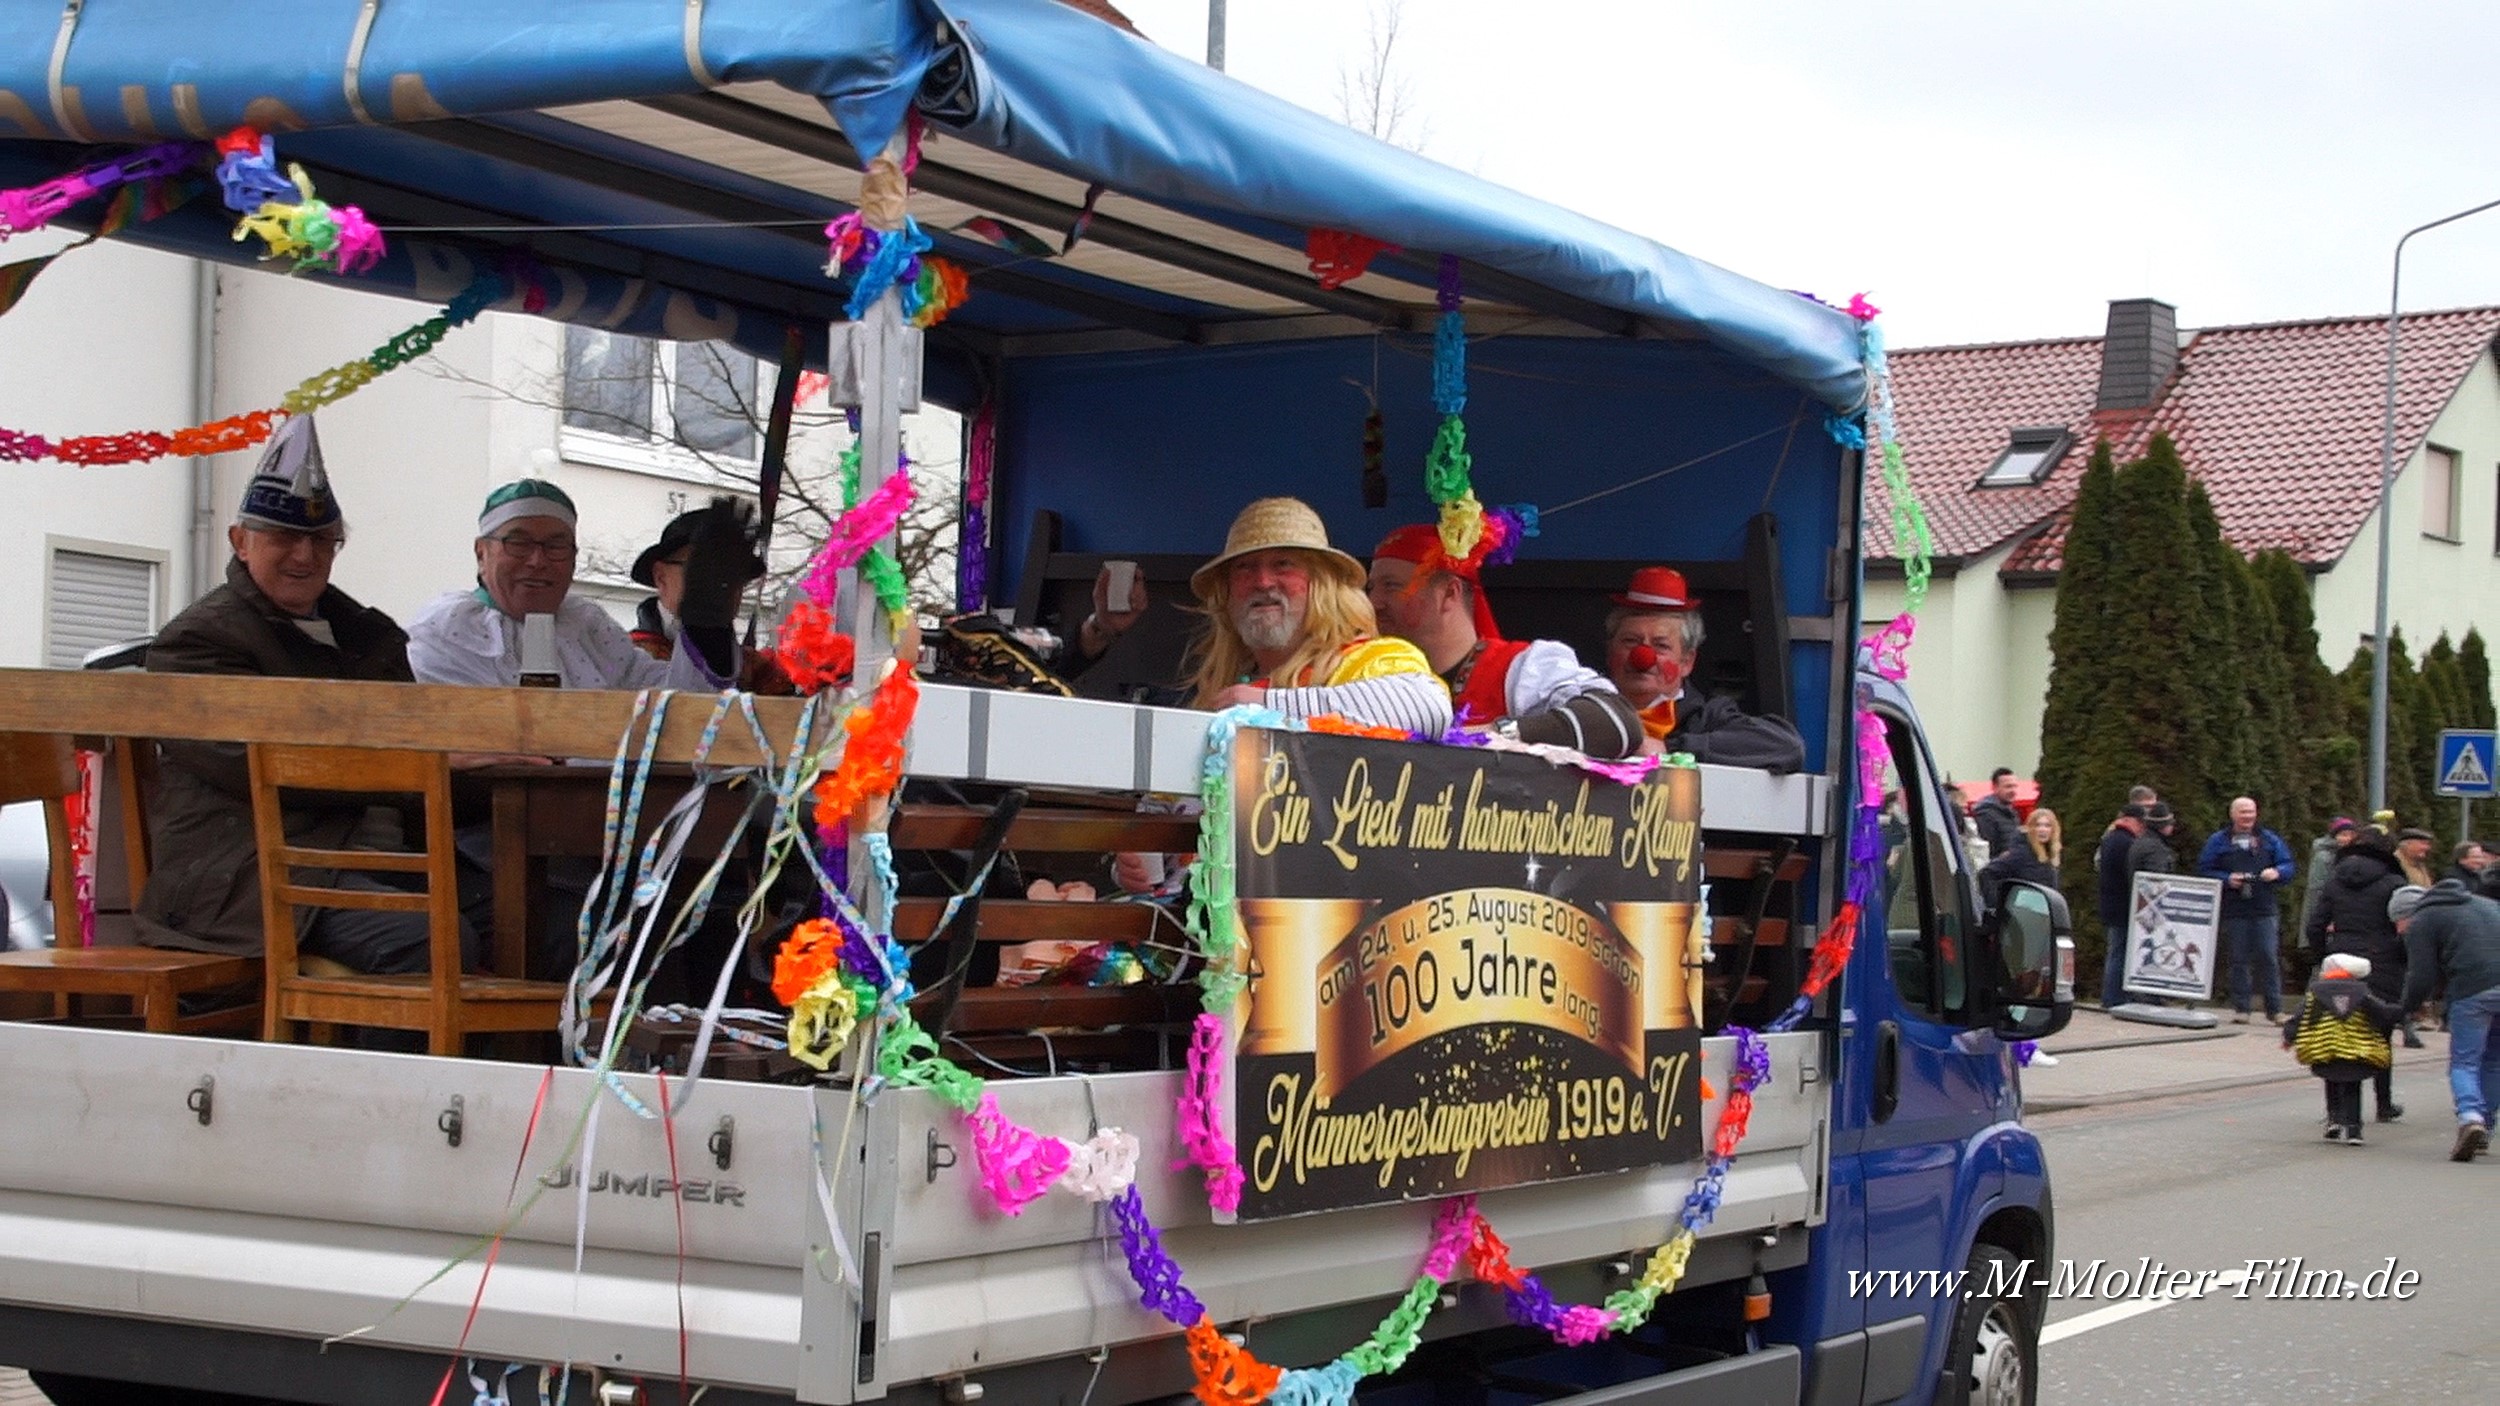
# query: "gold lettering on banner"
1282,814
1304,1136
1474,957
1665,833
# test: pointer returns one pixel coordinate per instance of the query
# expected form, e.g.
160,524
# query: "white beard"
1266,630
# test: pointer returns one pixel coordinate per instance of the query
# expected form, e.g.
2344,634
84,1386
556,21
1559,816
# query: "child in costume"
2340,1032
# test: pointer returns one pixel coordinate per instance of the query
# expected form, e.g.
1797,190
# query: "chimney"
2138,353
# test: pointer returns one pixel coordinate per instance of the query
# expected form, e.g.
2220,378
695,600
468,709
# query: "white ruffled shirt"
460,637
1548,674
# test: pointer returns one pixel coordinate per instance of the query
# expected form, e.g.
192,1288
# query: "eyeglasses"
517,545
288,539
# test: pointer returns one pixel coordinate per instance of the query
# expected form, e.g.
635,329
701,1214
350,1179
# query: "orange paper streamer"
1228,1375
872,760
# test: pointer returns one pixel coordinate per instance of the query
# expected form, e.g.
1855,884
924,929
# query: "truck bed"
322,1190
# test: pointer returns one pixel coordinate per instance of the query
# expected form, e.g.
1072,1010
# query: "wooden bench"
37,766
1051,1027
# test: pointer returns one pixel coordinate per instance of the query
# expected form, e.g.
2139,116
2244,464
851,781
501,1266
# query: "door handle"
1887,1070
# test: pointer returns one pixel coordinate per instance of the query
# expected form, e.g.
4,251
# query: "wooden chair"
444,1002
40,766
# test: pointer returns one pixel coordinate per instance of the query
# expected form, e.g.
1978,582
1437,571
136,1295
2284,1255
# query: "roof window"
2028,457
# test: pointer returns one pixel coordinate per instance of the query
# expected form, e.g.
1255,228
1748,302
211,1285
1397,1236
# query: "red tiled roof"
2281,421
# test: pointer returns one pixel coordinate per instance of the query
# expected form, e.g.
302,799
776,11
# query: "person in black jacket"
2453,938
2351,917
1653,637
2116,893
2346,1030
2033,858
1995,814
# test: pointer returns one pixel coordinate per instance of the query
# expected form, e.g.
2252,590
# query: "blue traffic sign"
2465,763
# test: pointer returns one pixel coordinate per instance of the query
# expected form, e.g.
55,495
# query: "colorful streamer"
972,556
1338,257
236,432
30,208
1200,1114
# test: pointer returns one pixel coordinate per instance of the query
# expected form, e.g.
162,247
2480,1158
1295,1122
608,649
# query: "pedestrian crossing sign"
2465,764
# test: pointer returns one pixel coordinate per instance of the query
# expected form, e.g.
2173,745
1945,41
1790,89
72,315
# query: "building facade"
2280,421
113,337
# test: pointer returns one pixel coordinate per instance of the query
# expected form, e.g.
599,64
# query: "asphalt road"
2209,1182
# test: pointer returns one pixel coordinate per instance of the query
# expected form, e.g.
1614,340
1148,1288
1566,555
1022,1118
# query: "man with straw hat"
1289,628
277,616
1534,690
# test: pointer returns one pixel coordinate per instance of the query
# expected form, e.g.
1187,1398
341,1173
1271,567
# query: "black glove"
720,561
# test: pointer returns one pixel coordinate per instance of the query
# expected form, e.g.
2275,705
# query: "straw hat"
1278,524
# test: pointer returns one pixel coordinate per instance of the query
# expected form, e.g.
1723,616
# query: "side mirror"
2035,950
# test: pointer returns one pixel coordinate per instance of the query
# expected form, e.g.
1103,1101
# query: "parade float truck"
1465,1073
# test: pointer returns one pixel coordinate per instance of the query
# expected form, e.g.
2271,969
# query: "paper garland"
236,432
876,260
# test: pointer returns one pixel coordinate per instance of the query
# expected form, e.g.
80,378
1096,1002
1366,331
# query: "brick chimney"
2138,353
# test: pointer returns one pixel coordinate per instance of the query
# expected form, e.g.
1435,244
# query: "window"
2439,494
1927,917
657,401
91,600
2028,457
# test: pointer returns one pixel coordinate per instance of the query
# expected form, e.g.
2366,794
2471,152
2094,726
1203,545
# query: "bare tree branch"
925,541
1376,95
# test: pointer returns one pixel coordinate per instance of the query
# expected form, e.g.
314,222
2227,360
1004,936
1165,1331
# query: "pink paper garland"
853,533
1202,1091
1017,1165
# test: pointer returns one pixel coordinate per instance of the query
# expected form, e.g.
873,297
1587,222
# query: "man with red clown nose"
1652,637
1536,690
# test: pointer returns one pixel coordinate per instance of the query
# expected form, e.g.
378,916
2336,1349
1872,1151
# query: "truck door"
1938,1074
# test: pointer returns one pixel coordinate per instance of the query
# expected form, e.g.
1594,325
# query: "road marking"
2121,1312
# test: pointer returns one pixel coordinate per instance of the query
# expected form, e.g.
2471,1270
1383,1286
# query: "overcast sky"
1984,171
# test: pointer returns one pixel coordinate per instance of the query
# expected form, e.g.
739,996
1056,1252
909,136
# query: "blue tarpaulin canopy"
468,113
666,167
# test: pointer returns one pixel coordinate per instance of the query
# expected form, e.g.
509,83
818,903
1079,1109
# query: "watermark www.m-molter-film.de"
2146,1280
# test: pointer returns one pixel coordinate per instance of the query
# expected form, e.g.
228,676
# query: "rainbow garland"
234,432
280,210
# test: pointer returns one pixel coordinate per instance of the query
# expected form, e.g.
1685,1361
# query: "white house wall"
100,344
2432,585
1976,689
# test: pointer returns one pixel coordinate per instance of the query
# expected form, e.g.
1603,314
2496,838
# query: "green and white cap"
528,497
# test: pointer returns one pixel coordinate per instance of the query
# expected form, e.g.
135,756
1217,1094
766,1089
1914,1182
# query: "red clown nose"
1641,657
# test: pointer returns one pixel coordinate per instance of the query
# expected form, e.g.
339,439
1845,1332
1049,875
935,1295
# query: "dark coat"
2117,879
2453,936
1998,825
2016,863
1715,730
2351,915
204,895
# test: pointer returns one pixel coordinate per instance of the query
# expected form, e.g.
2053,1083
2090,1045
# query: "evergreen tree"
2443,674
2322,773
2086,660
2475,667
2409,711
2147,719
2083,654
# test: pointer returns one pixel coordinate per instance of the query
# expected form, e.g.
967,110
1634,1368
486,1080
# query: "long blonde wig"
1338,615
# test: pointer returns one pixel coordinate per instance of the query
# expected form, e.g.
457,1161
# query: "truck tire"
1994,1356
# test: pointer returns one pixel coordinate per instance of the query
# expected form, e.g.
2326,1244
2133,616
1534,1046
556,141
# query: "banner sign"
2173,933
1468,970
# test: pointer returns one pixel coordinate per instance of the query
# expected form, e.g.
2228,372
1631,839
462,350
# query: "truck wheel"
1994,1358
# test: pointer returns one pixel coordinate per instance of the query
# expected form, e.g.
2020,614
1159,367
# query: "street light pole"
1215,35
2386,513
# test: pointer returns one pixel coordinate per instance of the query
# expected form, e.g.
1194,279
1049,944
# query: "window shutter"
96,601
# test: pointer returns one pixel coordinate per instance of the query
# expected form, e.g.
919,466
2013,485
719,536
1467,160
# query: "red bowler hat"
1656,588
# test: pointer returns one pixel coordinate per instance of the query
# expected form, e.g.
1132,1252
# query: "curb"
2203,1086
2183,1038
2054,1104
